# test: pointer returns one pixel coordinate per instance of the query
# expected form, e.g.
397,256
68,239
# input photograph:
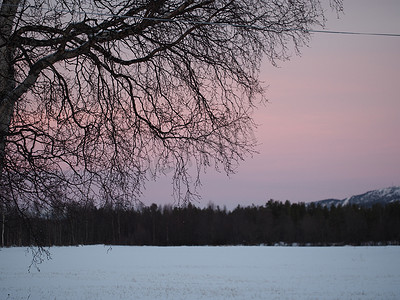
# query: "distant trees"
275,222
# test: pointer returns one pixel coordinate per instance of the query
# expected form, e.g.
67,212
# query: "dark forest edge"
273,223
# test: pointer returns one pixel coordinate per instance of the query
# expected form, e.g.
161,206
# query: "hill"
368,199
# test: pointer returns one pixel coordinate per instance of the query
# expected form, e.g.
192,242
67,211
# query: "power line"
356,33
224,24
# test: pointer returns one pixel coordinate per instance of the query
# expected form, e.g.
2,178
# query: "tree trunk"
2,229
8,12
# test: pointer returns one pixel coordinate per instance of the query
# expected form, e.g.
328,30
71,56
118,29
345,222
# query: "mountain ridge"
382,196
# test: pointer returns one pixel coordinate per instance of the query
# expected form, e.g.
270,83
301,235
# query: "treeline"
275,222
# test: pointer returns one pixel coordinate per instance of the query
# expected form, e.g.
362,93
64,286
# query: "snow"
346,201
390,191
260,272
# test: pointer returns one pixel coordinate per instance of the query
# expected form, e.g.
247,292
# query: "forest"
273,223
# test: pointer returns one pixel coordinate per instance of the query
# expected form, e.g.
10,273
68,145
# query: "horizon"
205,205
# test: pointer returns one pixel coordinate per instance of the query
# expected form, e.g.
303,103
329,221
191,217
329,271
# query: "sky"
331,128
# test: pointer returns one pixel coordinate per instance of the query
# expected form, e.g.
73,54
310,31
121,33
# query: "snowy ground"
96,272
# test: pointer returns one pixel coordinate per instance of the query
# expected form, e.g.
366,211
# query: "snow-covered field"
98,272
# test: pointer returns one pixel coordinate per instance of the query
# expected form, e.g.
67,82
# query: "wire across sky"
87,12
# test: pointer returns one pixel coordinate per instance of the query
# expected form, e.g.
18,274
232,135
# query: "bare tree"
96,96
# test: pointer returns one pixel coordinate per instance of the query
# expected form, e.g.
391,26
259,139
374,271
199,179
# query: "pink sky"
332,126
